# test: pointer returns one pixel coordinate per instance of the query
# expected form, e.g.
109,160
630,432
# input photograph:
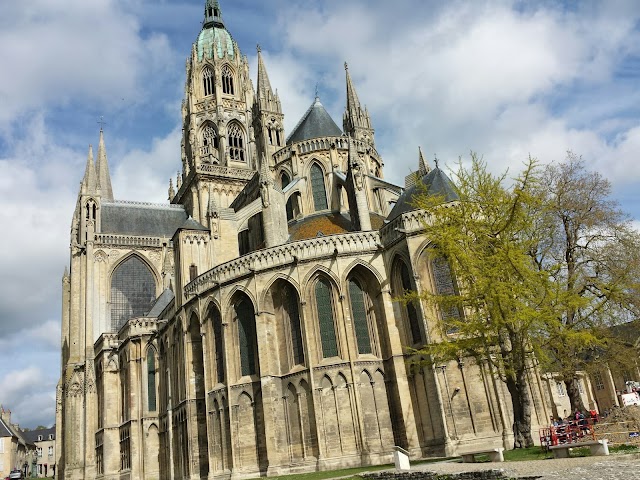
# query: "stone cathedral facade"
248,326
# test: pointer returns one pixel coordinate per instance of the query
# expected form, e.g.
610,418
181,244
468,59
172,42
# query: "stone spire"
172,191
423,166
102,169
356,121
90,180
265,97
212,14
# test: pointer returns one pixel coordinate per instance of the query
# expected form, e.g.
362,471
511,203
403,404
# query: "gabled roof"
161,303
315,123
434,183
5,431
32,435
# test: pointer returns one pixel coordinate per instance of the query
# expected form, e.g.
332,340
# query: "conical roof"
315,123
434,183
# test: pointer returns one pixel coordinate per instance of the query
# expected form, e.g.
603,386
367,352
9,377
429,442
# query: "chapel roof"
434,183
315,123
142,219
324,224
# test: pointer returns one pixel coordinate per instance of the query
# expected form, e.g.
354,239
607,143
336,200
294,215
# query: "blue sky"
502,78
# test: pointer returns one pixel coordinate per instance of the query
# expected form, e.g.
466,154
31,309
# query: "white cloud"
61,52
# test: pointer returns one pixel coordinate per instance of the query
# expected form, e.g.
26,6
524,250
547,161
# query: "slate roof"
142,219
315,123
5,431
161,303
433,183
32,435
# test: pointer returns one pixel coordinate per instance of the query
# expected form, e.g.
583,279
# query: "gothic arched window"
361,311
246,336
218,354
133,291
402,282
445,285
209,137
236,143
318,188
151,381
208,81
326,321
227,80
291,313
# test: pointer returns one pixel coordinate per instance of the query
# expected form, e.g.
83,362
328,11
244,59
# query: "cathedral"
249,327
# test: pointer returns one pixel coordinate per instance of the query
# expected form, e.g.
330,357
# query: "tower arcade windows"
133,291
227,81
208,81
318,188
236,143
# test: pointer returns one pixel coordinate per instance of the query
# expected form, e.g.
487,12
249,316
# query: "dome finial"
212,14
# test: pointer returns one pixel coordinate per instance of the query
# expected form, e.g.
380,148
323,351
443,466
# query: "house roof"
31,436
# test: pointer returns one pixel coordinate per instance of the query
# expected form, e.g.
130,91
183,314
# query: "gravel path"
618,467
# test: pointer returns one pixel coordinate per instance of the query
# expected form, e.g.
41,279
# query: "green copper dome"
215,39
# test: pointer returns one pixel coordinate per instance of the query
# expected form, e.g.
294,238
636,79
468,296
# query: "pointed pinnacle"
89,182
354,158
264,85
353,103
265,172
102,169
423,167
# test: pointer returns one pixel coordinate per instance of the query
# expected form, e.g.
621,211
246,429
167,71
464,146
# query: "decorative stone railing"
322,143
282,255
406,223
129,240
226,171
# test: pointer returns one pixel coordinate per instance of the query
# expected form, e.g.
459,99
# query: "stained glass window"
444,285
246,336
151,380
318,188
359,315
324,304
412,313
285,180
217,339
133,291
290,306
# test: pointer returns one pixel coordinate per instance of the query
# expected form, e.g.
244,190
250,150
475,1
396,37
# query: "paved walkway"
613,467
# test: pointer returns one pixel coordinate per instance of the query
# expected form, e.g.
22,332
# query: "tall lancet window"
208,81
151,380
246,336
326,321
361,311
318,188
227,81
133,291
236,143
284,181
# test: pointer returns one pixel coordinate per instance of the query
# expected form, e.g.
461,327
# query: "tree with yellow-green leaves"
590,250
499,310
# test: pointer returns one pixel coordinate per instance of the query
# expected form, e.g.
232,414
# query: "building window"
403,282
560,388
246,336
597,377
39,438
445,286
291,314
39,450
208,81
193,272
227,81
318,188
361,307
50,452
151,381
133,291
210,144
125,449
236,143
218,345
324,305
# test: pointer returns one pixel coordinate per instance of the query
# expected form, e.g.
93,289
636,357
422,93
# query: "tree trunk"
573,391
521,404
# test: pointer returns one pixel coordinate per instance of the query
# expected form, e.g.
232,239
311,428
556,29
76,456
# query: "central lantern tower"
218,143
